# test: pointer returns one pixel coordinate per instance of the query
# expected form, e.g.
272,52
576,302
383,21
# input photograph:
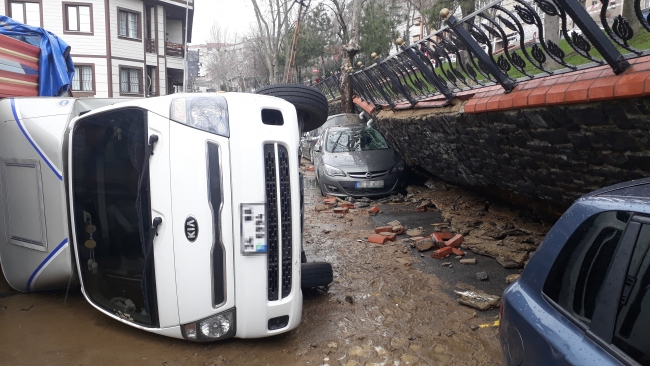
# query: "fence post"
592,31
472,46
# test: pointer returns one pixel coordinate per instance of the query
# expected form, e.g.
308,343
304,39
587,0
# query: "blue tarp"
55,64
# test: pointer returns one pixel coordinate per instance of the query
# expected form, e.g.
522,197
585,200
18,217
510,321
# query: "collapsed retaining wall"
549,156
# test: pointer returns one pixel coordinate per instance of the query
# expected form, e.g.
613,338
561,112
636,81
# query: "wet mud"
388,305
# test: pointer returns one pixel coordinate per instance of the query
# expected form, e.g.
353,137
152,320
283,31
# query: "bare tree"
273,21
348,51
222,55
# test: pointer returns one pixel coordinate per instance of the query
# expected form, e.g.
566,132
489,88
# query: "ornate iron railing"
330,87
501,44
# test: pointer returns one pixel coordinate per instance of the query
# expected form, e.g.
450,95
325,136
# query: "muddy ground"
388,305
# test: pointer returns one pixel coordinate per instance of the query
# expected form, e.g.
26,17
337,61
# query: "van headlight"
207,113
219,326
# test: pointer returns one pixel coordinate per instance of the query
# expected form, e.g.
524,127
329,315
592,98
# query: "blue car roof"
639,188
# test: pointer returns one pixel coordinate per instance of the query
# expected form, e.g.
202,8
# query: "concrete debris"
404,261
350,199
349,298
397,198
450,333
383,201
512,278
468,261
446,264
321,208
394,223
424,244
477,299
361,205
414,233
431,184
459,257
389,235
398,229
366,200
482,276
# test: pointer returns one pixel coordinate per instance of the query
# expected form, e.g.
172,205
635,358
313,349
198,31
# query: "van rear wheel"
316,274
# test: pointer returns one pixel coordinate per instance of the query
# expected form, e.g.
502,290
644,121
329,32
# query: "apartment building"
120,48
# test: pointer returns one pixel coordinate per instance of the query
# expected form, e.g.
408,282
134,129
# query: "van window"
579,272
632,333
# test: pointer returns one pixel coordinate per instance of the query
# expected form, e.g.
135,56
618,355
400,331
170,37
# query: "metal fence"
464,55
330,87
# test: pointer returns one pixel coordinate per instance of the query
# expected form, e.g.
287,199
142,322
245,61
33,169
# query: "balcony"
150,45
174,49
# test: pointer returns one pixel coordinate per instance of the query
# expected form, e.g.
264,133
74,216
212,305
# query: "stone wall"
550,155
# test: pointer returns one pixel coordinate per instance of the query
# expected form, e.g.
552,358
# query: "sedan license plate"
369,184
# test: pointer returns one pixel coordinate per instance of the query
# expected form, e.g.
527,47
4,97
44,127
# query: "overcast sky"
236,15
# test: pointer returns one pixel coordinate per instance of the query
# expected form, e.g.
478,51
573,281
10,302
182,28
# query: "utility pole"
294,43
187,5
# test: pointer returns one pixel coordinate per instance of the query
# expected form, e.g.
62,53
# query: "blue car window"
632,333
579,272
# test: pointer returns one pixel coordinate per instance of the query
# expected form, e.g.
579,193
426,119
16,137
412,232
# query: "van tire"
316,274
310,103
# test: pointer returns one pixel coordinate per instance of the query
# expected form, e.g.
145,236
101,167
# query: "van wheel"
310,103
315,274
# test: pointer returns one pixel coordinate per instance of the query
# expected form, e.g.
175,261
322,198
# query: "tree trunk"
630,16
347,58
551,33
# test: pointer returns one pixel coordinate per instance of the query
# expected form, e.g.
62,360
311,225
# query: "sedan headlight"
398,167
209,114
216,327
333,172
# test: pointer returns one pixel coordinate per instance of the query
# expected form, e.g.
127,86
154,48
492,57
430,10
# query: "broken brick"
377,239
457,251
382,229
416,238
421,209
310,168
321,207
441,253
341,210
398,229
373,211
346,205
468,261
455,242
329,201
389,235
440,237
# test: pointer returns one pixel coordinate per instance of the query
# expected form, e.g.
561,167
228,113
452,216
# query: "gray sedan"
356,161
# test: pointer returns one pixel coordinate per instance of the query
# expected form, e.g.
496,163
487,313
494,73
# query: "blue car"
584,297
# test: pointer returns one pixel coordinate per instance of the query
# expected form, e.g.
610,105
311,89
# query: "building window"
83,78
78,17
130,80
128,24
25,12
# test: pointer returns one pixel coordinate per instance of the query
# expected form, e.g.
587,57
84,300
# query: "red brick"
481,105
568,78
329,201
555,95
538,96
389,235
341,210
441,253
602,88
373,211
470,105
382,229
310,168
493,103
589,75
505,102
440,237
346,205
577,91
455,242
377,239
530,84
520,98
631,85
416,238
457,251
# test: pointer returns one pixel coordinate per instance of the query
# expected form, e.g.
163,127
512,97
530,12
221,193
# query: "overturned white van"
179,215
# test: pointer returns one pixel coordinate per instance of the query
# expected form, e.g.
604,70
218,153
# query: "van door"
121,215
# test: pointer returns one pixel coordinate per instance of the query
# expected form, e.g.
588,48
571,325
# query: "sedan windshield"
358,139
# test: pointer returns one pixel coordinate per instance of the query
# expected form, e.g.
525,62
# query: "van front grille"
279,216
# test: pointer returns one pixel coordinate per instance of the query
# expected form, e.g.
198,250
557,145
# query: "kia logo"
368,175
191,228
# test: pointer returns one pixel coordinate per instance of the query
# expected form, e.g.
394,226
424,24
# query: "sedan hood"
362,161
